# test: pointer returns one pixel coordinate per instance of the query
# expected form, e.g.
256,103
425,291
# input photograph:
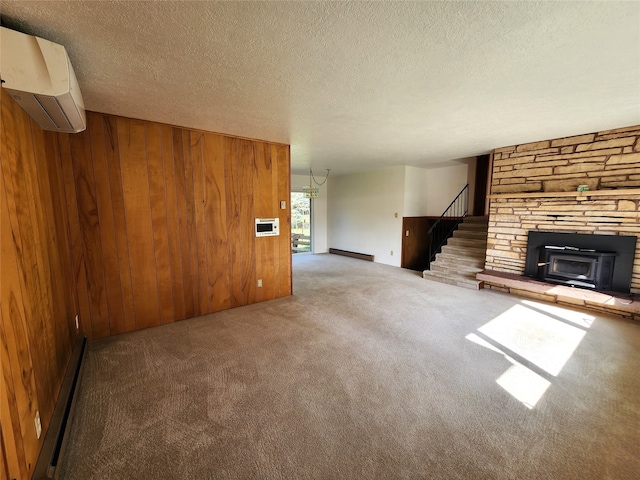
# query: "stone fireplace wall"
531,185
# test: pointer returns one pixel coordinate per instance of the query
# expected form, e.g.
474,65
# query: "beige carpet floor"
367,372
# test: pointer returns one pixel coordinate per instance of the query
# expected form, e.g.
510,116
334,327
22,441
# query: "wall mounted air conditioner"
37,73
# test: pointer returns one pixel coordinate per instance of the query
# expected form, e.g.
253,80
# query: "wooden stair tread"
466,281
477,256
459,261
459,241
456,269
478,252
471,234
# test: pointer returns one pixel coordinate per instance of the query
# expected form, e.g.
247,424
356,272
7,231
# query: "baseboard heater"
56,437
345,253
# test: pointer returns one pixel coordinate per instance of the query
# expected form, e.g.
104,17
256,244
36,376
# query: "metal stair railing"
448,222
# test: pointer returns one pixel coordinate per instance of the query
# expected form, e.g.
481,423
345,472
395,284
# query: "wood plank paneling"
245,279
104,203
18,382
129,225
91,238
183,214
231,146
199,227
264,206
37,299
284,188
215,218
63,267
12,460
159,221
416,242
258,211
173,229
135,186
114,179
191,218
50,333
25,202
75,236
166,222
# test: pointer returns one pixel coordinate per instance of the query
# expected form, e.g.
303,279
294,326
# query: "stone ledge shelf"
626,305
621,192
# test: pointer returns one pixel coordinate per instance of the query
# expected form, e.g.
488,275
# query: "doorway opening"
300,223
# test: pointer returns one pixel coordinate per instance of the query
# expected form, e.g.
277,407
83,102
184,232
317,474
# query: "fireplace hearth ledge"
626,305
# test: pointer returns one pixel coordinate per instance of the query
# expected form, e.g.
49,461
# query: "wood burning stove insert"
577,267
596,262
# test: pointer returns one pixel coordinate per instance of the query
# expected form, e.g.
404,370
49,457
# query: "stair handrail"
439,234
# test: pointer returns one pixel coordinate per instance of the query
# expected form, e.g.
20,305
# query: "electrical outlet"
38,424
283,205
392,253
259,283
77,323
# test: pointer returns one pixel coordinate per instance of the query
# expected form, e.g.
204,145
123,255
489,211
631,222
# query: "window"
300,223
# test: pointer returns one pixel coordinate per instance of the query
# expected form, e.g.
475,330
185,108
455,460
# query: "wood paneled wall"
129,224
37,294
166,222
416,241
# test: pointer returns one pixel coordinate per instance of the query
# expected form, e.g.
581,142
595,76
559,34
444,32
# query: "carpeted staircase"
462,256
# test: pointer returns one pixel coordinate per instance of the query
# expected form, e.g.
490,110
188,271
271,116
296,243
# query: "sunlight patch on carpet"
535,336
523,384
519,381
539,333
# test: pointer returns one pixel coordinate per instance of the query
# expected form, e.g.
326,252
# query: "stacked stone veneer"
608,160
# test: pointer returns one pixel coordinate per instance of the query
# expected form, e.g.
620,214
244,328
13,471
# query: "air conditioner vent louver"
39,76
54,111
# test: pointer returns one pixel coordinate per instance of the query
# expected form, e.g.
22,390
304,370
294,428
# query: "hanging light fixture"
310,191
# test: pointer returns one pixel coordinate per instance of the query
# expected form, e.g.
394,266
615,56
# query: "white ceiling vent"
37,73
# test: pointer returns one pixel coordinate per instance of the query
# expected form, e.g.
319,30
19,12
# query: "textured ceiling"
355,85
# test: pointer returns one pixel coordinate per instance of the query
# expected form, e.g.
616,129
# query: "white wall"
362,207
365,213
443,184
318,212
416,193
428,191
472,167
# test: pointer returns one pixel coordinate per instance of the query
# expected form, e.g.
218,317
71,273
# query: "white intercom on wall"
267,227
